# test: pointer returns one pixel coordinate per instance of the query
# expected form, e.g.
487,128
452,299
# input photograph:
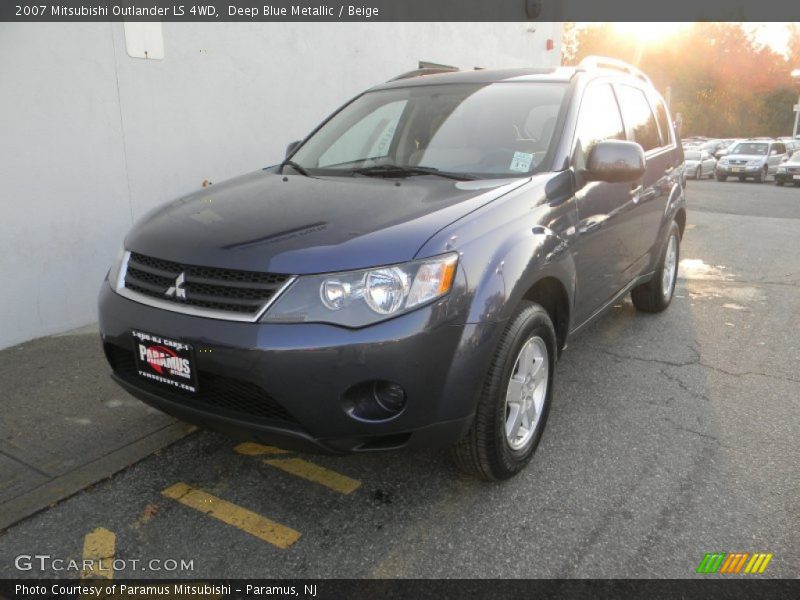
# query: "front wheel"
698,174
655,295
514,401
722,178
762,176
779,182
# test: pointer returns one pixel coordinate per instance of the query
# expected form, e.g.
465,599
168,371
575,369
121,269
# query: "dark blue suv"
410,273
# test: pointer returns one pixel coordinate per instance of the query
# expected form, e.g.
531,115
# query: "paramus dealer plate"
165,361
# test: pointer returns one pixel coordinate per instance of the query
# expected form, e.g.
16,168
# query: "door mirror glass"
615,161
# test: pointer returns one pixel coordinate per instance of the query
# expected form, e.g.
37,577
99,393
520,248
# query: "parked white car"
699,163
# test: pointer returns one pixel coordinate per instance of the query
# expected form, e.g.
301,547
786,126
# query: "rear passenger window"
663,123
779,148
640,124
599,120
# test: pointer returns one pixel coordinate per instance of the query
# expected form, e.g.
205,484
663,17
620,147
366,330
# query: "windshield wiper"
295,166
405,171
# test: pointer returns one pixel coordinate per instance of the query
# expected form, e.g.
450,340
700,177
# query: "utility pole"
796,78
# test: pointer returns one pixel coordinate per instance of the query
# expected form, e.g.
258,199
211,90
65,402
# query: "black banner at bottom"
389,589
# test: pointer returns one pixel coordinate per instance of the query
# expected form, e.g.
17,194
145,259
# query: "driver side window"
599,120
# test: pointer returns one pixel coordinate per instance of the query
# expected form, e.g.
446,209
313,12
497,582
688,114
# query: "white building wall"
91,139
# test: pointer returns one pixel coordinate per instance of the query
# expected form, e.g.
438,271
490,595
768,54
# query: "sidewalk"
65,425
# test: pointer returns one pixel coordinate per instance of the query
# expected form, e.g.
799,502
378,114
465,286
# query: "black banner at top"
398,10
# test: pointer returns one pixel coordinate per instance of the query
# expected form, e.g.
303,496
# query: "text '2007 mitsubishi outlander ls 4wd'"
409,274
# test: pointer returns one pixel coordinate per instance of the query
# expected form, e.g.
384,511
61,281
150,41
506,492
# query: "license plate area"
165,361
795,176
737,169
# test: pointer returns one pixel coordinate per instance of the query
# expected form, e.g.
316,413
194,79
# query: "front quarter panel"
510,244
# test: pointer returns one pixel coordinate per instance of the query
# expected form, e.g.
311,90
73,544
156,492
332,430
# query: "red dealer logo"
161,357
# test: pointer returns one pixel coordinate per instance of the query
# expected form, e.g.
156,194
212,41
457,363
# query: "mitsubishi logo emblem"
177,290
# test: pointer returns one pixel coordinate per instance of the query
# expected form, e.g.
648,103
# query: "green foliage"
722,81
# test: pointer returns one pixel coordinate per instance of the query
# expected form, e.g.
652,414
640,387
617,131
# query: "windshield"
476,130
691,155
751,148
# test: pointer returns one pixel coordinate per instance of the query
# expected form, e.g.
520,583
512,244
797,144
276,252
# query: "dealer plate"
737,169
795,176
165,361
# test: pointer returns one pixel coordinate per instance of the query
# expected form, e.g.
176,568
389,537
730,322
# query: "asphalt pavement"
671,436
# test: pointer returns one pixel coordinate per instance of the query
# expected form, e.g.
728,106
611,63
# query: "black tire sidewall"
531,321
658,280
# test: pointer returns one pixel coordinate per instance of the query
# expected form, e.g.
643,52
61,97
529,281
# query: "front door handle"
636,192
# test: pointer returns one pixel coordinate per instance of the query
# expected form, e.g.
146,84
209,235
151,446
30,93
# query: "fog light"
374,400
390,396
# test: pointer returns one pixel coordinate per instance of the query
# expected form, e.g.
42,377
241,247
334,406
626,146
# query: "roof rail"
603,62
424,71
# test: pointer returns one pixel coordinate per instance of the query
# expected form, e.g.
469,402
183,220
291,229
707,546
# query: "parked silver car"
699,163
755,159
789,171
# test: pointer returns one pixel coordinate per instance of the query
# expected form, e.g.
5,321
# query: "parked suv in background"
409,275
754,159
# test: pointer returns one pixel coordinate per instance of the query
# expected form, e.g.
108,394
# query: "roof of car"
563,74
551,74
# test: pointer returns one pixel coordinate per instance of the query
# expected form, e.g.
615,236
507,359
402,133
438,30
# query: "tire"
722,178
698,174
779,183
487,451
711,174
656,295
761,177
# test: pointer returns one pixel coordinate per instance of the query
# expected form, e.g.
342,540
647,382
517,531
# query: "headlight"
115,273
359,298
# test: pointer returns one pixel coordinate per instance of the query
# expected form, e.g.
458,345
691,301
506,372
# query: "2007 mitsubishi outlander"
408,276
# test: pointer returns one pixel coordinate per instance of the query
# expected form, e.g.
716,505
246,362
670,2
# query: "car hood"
790,163
266,222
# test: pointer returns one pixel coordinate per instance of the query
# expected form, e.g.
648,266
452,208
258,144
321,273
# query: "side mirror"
615,161
291,148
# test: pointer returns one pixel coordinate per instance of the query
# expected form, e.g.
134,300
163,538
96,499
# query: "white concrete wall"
90,138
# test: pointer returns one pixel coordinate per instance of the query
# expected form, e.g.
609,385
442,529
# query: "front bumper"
739,170
787,177
304,370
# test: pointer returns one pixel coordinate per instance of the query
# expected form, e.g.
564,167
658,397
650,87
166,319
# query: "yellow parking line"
252,449
99,548
231,514
308,470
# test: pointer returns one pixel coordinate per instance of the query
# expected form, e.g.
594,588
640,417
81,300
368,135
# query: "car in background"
751,159
725,147
789,171
711,146
699,163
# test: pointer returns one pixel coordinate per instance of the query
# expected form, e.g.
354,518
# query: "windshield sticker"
521,162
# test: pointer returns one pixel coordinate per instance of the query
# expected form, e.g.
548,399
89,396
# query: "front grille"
217,394
738,162
229,290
